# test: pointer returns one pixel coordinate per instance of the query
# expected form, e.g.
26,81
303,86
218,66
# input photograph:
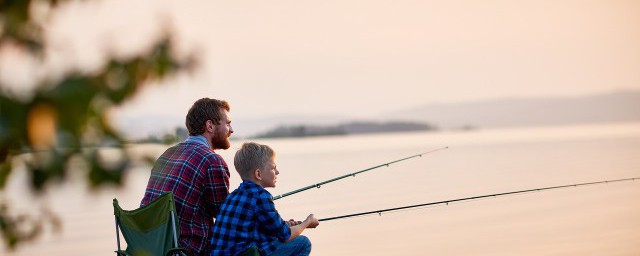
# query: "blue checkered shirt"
248,217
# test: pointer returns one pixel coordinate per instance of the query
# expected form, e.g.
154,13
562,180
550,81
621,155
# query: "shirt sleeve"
216,184
269,219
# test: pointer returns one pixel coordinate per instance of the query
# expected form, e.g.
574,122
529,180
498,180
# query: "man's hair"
202,110
250,157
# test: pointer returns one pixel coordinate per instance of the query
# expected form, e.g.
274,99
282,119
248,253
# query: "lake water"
590,220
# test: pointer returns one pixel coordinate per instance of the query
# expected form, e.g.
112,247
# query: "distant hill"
254,126
613,107
343,129
511,112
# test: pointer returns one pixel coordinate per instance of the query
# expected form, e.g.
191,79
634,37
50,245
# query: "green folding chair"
150,230
252,251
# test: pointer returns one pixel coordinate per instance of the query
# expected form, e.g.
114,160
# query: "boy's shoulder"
252,192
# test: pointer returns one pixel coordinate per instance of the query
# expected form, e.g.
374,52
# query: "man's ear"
210,126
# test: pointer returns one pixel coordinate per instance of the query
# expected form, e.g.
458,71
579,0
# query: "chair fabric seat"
150,230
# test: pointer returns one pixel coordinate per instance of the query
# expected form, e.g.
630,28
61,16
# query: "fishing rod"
317,185
446,202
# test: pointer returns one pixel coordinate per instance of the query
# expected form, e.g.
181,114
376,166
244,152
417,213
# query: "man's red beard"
220,141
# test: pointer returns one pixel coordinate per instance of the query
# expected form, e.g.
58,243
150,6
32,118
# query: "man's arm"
216,184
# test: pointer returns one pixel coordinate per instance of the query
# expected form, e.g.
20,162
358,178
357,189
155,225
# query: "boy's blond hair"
252,156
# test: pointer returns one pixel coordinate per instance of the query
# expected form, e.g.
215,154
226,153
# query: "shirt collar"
251,184
198,139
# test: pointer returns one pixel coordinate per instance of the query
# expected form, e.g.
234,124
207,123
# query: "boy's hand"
312,221
293,222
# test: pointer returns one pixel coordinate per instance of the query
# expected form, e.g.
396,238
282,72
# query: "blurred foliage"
65,119
180,134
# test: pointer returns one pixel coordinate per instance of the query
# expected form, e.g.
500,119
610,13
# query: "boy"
248,216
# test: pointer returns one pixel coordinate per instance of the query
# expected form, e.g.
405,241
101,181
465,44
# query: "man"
197,176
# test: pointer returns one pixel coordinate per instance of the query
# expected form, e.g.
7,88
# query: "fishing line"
447,202
318,185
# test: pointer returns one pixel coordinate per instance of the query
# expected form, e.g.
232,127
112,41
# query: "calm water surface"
593,220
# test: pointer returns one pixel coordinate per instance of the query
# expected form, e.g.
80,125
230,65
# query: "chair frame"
175,251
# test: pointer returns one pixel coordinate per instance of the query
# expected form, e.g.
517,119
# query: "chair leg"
117,233
175,234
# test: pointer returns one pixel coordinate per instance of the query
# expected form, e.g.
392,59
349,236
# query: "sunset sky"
359,58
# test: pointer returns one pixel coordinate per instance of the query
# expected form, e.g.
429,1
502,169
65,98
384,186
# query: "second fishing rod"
317,185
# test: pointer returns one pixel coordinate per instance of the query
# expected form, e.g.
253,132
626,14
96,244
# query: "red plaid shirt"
199,180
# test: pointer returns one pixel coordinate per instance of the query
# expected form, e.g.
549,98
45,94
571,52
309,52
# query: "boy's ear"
257,175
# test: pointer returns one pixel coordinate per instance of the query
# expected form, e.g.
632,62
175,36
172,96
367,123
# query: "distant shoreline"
360,127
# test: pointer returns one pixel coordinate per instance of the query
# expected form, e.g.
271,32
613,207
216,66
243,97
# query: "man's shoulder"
197,150
192,145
